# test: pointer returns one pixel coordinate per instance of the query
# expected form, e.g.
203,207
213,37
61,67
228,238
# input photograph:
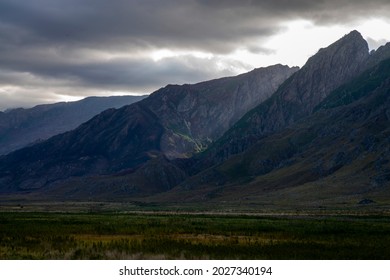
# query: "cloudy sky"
54,50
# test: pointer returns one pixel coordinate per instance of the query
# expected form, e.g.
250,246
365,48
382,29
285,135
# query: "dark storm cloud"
213,25
129,24
60,40
136,74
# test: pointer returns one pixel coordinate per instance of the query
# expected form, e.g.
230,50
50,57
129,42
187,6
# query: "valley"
115,235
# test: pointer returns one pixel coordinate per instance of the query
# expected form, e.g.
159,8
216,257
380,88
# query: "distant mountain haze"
21,127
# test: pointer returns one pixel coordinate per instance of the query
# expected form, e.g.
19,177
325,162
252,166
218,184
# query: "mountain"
274,137
297,97
338,156
22,127
173,122
252,161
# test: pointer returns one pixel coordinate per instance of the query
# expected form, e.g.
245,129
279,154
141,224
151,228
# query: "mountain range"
276,136
21,127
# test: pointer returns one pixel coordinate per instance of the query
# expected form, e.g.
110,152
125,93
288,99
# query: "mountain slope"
196,115
297,97
21,127
132,130
175,121
340,155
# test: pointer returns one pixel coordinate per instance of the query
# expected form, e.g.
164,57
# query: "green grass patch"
179,236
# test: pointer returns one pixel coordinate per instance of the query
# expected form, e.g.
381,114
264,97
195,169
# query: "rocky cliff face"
172,122
21,127
378,55
196,115
324,72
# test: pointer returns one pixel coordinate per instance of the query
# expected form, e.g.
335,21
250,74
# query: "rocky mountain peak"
297,97
331,66
325,71
354,34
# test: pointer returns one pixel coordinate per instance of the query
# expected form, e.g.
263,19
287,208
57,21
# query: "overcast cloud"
55,48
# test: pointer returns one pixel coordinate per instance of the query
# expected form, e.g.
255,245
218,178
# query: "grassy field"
178,236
